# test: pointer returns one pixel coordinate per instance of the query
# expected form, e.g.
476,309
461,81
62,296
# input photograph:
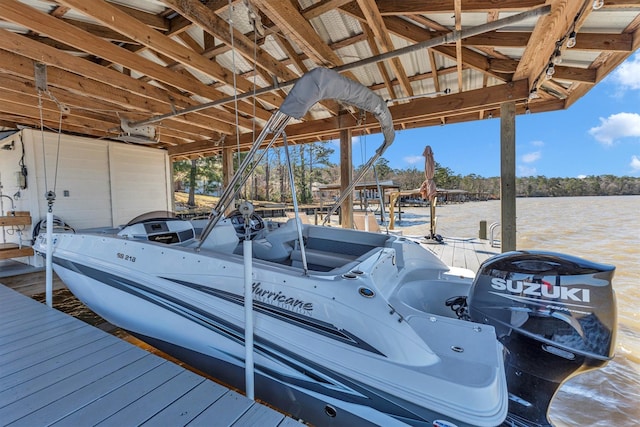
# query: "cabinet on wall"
16,220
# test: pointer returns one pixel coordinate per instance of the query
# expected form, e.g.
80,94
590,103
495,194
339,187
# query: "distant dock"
59,370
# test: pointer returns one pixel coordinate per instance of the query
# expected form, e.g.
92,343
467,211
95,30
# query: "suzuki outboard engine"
556,317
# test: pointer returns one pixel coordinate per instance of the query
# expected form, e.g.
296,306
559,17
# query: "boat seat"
222,238
278,244
321,260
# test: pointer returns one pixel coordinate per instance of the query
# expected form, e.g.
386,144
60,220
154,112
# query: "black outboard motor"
556,317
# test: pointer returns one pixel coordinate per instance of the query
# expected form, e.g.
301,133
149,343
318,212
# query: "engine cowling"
556,316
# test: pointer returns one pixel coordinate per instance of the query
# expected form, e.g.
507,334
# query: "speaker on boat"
556,317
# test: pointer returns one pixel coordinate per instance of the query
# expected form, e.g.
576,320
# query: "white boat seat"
278,244
222,238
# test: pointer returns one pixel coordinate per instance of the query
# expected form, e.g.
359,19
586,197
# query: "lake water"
602,229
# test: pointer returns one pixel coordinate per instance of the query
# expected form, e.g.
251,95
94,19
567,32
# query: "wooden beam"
98,31
125,98
381,67
609,42
346,172
549,29
113,18
38,52
323,7
295,27
508,176
414,33
585,41
376,24
204,17
81,103
473,99
421,7
574,74
417,110
19,13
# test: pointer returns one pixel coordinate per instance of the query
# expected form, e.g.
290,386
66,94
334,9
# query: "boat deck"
59,370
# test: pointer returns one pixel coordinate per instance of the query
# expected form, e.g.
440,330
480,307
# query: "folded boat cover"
323,83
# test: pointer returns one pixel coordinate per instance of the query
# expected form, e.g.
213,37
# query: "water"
602,229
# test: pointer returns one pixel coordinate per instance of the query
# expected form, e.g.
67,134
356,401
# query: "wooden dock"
463,252
58,370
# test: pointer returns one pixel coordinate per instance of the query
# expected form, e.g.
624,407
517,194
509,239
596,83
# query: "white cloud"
635,163
537,143
336,142
616,126
532,157
526,171
412,160
581,176
627,75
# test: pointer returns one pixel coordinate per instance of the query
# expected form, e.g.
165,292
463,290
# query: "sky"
598,135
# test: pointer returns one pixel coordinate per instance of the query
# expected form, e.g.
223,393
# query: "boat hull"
313,368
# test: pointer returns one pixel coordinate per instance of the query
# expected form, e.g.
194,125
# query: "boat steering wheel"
256,223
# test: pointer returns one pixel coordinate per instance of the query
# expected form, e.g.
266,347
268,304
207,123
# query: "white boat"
349,327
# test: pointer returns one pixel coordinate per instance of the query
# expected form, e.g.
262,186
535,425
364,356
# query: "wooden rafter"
297,29
113,18
373,18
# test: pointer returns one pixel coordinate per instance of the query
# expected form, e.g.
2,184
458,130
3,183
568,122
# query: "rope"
44,158
235,83
50,194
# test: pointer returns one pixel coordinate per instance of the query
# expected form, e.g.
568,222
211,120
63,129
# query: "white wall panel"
98,183
139,181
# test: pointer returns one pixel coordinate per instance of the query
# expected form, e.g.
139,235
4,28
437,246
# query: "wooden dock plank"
231,400
90,393
154,401
99,410
26,358
466,253
35,323
188,406
48,362
35,338
289,422
59,370
254,417
58,382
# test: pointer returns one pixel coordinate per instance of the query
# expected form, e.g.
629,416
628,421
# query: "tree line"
311,164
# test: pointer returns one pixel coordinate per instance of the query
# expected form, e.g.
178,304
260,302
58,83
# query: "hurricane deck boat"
350,327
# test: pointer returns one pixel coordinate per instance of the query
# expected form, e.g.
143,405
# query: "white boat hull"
323,351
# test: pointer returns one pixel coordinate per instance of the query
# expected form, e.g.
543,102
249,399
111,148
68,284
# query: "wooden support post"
346,175
227,171
508,175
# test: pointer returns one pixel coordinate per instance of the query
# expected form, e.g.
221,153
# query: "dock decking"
463,252
57,370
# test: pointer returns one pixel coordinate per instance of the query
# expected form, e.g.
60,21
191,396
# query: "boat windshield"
152,215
